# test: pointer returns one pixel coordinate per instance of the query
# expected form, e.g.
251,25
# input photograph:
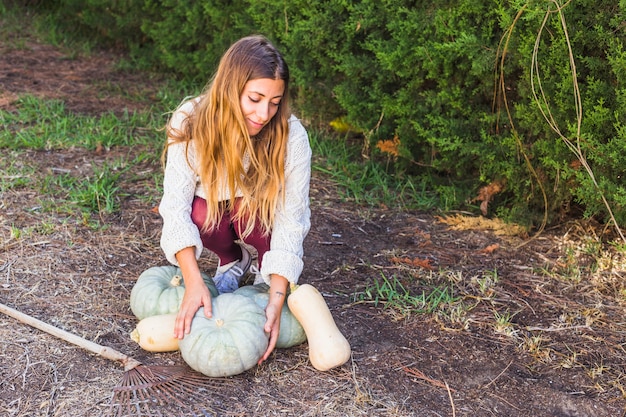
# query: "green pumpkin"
230,342
160,290
291,332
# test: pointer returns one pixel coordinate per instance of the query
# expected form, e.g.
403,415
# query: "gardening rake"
142,387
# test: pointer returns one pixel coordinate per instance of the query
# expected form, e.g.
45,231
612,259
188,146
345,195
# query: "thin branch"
421,375
451,400
499,375
544,107
514,129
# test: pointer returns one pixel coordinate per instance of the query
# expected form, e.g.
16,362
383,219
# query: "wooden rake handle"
105,352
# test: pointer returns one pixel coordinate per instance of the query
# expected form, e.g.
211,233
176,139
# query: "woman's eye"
254,100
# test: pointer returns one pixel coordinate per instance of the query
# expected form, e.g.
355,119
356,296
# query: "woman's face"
259,102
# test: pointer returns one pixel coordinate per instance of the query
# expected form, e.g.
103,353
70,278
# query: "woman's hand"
197,294
278,292
272,326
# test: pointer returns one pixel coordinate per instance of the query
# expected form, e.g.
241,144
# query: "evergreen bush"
447,89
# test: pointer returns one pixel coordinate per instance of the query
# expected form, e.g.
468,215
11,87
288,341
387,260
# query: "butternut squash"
328,348
155,333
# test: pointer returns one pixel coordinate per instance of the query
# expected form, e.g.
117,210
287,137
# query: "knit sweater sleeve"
293,215
179,186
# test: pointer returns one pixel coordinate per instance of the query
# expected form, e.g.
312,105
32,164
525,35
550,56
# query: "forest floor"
530,327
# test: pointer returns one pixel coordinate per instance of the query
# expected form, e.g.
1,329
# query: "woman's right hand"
197,294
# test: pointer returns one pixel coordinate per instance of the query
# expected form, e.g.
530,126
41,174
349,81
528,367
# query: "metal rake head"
147,390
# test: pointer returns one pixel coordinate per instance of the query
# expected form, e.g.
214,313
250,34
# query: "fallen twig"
557,329
499,375
451,400
419,374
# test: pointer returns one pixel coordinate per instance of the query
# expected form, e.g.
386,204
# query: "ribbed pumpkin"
230,342
160,290
291,332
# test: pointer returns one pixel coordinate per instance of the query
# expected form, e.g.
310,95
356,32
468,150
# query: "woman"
238,167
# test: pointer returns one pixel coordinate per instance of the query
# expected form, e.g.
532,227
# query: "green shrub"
429,75
110,23
449,85
189,36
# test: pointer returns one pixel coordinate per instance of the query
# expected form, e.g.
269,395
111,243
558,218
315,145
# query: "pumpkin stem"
176,280
219,322
135,335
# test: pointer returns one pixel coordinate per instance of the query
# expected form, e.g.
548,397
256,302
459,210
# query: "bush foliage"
474,96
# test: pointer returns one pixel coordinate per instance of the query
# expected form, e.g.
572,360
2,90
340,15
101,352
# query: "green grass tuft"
392,294
366,181
46,124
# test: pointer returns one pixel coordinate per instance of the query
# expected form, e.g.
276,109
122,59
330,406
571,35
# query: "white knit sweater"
291,224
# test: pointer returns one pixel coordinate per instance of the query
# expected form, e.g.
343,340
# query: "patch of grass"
153,190
365,181
19,22
455,315
14,173
45,228
46,124
586,261
57,184
503,325
535,346
392,294
57,187
98,194
12,27
16,232
487,283
38,124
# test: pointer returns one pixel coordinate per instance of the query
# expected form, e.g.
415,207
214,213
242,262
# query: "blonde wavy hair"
224,150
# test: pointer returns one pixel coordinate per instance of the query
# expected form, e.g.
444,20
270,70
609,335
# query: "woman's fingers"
188,308
272,326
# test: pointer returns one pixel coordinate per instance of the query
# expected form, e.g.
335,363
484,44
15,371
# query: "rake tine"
126,400
185,389
139,394
133,392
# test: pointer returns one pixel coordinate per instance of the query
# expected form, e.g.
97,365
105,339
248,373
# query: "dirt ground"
538,328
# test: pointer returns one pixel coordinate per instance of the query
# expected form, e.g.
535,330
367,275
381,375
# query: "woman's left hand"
278,293
272,326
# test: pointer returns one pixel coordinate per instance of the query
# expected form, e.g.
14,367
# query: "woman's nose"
262,112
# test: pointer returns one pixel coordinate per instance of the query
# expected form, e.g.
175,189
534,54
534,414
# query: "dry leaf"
390,146
486,193
420,263
576,164
490,249
499,227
